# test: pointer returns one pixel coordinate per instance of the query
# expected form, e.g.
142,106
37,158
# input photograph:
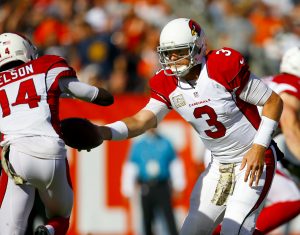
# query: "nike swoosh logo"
241,61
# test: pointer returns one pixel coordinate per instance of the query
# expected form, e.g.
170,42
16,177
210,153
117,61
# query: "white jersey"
29,98
225,123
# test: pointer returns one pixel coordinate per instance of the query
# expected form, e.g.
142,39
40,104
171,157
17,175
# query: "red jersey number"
26,95
212,121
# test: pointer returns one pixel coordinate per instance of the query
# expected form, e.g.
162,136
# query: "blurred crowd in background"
112,43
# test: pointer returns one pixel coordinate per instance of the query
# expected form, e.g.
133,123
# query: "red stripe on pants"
270,170
277,214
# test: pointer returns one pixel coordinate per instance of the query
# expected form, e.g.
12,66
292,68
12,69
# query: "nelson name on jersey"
15,74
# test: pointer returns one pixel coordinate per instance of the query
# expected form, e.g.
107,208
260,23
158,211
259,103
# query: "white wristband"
264,133
119,130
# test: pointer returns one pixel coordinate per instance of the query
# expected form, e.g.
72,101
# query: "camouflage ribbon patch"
225,184
7,167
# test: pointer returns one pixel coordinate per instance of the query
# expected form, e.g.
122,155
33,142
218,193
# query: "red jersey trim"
53,101
270,171
67,74
162,86
54,91
250,111
156,95
290,80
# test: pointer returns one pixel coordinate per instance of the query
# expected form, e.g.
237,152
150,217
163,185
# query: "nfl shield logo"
178,101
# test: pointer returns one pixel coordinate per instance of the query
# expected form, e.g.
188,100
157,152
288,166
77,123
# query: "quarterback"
217,94
283,199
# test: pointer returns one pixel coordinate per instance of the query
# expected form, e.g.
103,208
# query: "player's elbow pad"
104,98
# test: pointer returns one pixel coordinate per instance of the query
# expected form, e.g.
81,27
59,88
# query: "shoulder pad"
44,63
224,65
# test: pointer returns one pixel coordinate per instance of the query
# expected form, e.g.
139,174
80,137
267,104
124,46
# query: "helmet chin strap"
182,77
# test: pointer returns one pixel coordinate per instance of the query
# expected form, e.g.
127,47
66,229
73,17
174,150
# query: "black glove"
80,133
104,98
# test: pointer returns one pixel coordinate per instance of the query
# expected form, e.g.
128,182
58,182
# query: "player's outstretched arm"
86,92
129,127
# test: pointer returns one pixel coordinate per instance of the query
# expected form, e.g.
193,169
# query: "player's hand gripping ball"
80,133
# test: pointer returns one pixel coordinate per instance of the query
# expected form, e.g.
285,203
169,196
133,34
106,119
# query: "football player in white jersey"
284,194
283,200
287,85
217,94
34,154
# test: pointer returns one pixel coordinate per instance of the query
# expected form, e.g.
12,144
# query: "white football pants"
239,214
49,176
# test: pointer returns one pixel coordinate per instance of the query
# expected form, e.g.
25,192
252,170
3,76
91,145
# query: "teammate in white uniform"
284,194
35,156
287,85
217,95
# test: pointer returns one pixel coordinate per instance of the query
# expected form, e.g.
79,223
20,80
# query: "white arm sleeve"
158,108
256,91
78,89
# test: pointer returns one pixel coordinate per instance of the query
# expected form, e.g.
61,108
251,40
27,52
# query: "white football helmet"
14,47
290,62
181,34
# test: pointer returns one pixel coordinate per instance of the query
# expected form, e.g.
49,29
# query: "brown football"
80,133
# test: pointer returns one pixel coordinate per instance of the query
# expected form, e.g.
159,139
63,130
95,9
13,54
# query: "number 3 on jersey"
212,121
26,95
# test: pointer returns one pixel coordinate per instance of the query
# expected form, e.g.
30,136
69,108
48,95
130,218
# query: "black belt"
155,182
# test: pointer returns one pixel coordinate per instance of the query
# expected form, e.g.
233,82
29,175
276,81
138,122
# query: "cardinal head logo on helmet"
195,28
